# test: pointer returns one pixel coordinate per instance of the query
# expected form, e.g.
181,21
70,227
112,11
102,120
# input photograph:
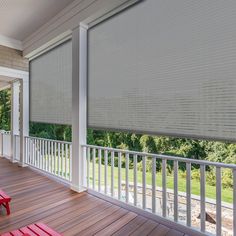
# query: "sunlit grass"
227,194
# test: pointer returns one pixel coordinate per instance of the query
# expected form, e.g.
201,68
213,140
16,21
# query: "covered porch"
97,64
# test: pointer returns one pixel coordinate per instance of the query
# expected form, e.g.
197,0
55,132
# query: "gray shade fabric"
51,86
165,67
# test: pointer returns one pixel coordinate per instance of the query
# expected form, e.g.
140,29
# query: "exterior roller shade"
165,67
51,86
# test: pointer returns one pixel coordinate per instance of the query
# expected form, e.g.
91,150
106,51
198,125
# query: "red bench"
4,201
38,229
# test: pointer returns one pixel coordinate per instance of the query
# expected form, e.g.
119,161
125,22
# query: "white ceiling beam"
10,42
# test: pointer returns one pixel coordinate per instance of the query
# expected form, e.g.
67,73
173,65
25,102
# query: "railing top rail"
167,157
5,132
51,140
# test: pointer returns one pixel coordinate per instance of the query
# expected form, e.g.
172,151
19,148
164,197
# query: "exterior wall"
66,21
13,59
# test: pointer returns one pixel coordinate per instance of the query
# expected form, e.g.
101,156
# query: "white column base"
77,189
22,164
13,161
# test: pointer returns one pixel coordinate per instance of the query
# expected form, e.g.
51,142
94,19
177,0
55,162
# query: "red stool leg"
8,208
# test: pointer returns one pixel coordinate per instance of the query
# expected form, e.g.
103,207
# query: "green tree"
5,109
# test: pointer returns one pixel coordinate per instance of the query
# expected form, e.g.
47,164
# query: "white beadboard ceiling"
20,18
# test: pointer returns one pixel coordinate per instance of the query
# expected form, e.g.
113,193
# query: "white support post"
15,116
79,107
24,117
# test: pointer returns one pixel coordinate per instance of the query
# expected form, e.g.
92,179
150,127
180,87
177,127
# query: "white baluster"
188,191
55,158
164,198
40,154
88,167
59,158
99,169
144,181
112,174
119,176
62,161
66,161
35,153
48,154
203,197
51,154
105,168
70,161
154,185
135,180
176,169
94,156
127,177
218,202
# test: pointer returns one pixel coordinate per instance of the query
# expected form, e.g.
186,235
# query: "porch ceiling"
19,19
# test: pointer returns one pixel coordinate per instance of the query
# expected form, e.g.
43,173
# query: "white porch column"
24,117
79,107
15,116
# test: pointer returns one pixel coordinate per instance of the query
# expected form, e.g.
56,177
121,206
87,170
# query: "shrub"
148,165
195,174
227,178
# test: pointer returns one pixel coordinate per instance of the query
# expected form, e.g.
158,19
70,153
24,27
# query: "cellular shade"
51,86
165,67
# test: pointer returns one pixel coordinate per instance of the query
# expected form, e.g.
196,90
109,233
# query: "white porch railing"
51,156
5,143
127,185
109,172
16,150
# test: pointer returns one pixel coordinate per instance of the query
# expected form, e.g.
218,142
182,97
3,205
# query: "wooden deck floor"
35,198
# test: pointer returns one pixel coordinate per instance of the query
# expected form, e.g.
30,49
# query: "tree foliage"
5,109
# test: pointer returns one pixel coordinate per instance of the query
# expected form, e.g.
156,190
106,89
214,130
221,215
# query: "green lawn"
227,194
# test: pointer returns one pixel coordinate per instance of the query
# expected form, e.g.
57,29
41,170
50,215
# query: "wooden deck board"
145,228
36,198
131,226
